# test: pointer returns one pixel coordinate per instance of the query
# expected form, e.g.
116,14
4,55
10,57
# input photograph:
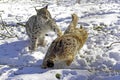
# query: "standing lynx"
38,25
65,48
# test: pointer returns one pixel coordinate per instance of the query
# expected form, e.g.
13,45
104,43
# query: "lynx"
38,25
65,48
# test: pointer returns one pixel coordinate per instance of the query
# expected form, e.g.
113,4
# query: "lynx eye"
44,16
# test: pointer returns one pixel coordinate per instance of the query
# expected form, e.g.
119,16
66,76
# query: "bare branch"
112,44
10,35
21,24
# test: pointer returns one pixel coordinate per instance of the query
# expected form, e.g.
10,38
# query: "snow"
97,60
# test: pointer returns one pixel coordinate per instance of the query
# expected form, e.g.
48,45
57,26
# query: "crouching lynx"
64,48
38,25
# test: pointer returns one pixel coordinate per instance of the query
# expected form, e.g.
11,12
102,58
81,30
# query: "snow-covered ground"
97,60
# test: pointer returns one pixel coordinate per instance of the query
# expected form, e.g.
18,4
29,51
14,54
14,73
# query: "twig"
8,32
21,24
112,44
3,24
6,36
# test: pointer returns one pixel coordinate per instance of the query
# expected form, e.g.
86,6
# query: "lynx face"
63,49
38,25
44,12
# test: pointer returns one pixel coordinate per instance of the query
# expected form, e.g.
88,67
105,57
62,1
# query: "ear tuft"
35,9
46,7
81,26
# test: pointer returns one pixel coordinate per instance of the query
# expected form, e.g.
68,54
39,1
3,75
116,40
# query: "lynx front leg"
69,60
33,42
41,41
59,33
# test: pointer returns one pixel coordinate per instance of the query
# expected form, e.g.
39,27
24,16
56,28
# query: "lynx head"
44,12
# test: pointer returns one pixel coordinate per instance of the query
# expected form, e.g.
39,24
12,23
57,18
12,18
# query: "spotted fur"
65,48
38,25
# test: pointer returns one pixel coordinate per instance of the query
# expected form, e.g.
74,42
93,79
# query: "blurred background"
63,2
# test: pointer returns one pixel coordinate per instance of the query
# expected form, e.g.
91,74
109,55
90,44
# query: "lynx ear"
36,9
72,16
46,7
